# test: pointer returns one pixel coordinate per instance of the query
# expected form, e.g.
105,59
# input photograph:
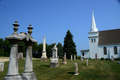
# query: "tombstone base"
76,73
64,62
54,65
13,77
28,76
43,59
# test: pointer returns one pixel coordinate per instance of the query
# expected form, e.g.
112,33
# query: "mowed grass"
96,70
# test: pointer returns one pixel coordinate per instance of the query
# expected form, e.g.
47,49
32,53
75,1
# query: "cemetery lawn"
96,70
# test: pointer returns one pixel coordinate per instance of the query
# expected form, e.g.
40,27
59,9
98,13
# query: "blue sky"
53,18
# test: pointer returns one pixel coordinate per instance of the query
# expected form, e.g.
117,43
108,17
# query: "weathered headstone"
118,62
112,59
20,55
28,73
54,61
13,60
81,59
64,59
1,66
76,69
71,57
58,57
44,57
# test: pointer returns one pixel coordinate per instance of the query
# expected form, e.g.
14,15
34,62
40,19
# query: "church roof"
109,37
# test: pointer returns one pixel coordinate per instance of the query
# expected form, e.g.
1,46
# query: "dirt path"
3,59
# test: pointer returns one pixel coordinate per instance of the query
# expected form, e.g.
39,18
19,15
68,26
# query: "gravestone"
14,39
28,73
71,57
20,55
44,57
112,59
118,62
81,59
64,59
1,66
58,57
76,69
54,61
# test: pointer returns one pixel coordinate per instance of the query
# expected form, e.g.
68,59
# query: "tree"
34,49
1,47
6,46
22,48
60,50
69,46
40,49
49,50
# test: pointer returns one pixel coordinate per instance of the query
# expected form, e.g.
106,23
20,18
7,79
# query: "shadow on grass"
45,65
71,72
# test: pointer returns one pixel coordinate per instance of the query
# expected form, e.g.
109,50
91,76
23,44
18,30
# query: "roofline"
84,50
109,44
109,30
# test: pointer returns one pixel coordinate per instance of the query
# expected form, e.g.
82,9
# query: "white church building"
102,44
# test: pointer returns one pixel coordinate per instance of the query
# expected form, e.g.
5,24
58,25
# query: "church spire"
93,24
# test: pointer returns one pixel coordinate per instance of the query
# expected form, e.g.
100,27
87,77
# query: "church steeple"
93,24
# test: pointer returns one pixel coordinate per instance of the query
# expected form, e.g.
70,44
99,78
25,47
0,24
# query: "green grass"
96,70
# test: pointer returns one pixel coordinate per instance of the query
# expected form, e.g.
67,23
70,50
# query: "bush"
6,54
102,59
116,58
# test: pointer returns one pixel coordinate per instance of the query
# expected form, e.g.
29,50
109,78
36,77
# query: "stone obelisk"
44,57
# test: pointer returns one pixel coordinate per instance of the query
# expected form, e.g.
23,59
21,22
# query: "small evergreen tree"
60,50
69,46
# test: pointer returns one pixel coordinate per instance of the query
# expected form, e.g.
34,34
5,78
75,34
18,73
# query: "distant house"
102,44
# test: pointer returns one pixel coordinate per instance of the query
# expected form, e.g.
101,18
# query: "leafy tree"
1,47
49,50
34,49
6,46
69,46
40,49
60,50
22,48
1,52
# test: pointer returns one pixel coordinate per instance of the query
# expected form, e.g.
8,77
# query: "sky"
53,18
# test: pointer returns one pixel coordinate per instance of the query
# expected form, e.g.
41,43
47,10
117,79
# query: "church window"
82,53
94,40
105,50
115,50
91,40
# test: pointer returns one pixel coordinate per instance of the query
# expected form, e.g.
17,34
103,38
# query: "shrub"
102,59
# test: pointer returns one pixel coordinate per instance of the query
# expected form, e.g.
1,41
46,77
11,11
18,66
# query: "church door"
96,56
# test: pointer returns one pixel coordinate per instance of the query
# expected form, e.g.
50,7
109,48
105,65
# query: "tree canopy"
69,46
60,50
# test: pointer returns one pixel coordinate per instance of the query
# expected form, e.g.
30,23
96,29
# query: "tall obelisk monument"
44,57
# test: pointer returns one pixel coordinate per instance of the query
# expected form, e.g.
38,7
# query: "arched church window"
82,53
91,40
105,50
115,50
94,40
